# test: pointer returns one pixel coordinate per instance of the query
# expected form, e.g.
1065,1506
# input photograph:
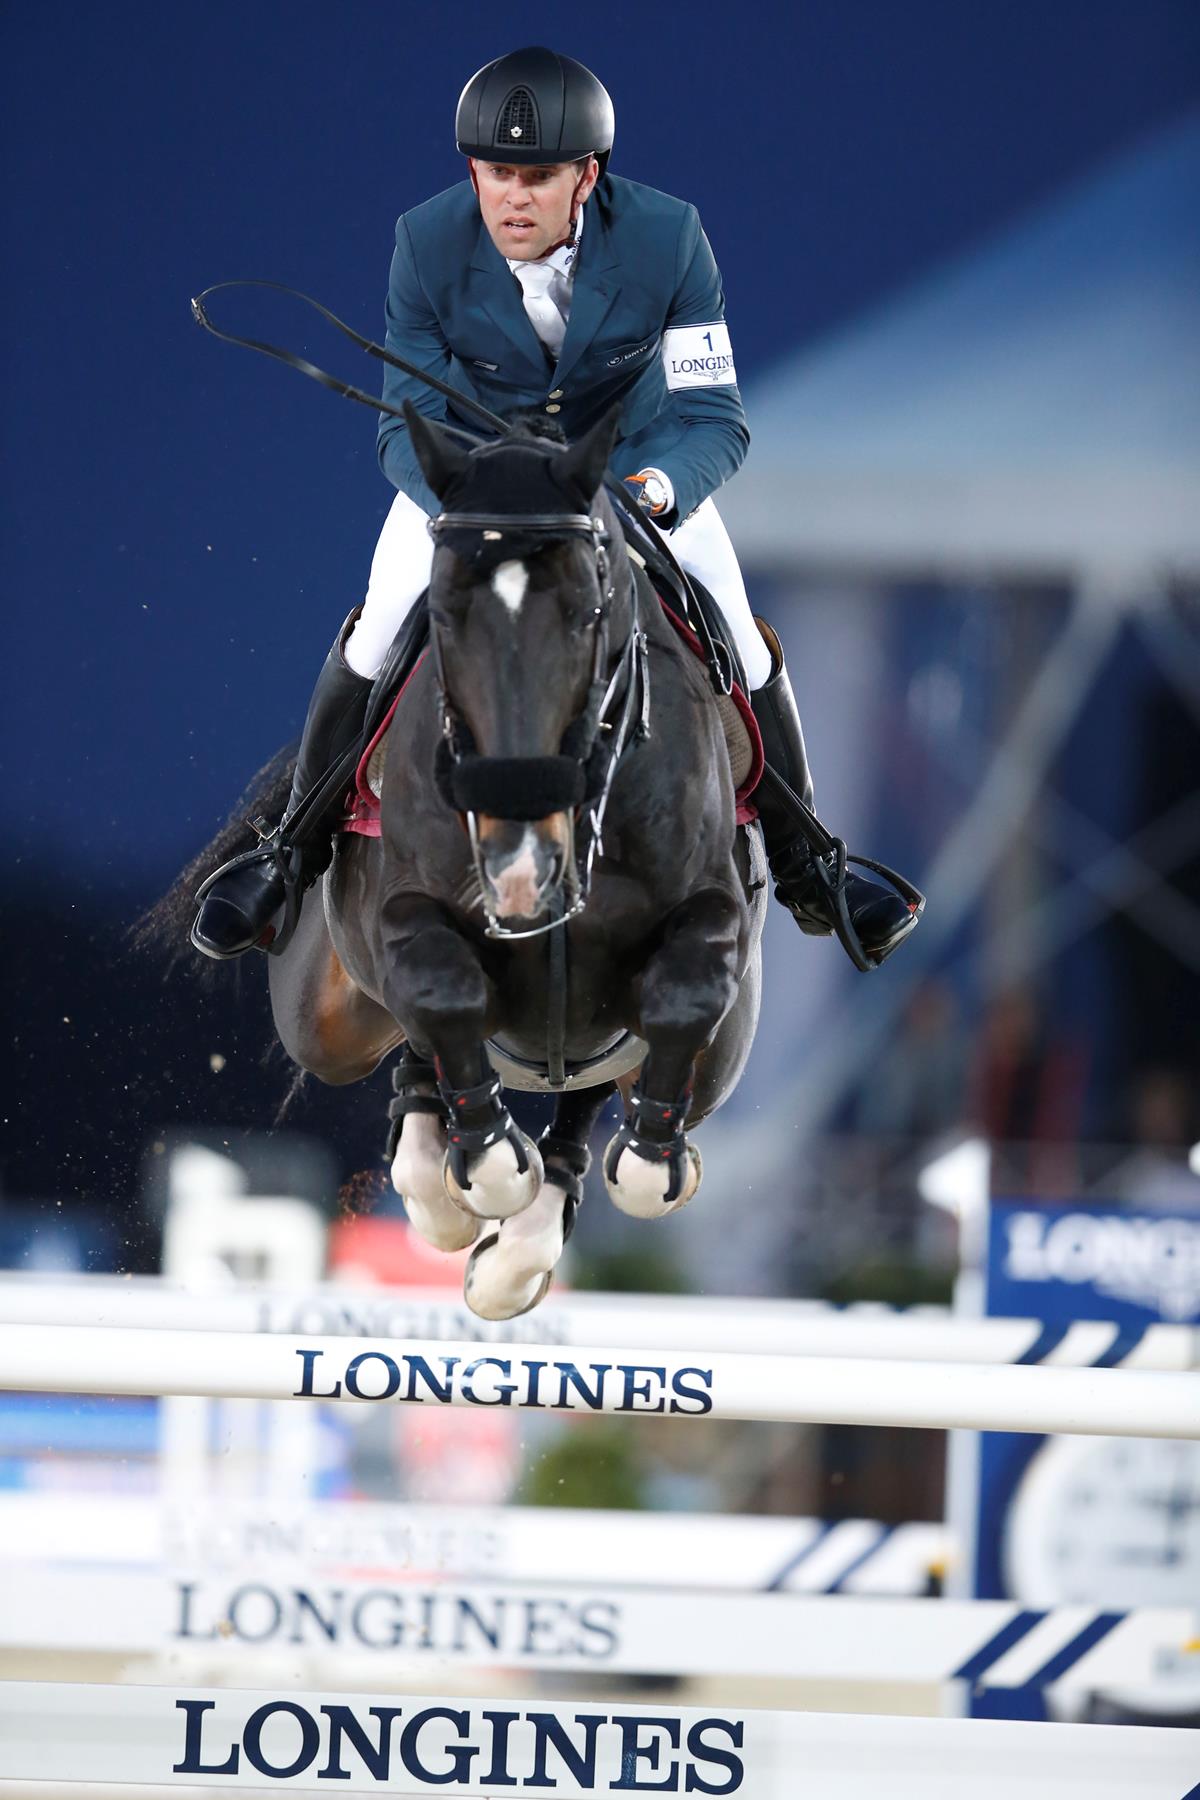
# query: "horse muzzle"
523,863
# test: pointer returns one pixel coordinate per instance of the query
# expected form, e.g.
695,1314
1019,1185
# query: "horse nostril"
554,872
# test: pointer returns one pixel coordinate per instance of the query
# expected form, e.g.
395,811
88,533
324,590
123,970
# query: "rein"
720,665
571,769
464,401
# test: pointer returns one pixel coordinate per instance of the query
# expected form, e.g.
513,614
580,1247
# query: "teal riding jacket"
644,269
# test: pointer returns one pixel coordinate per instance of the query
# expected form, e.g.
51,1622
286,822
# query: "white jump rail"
399,1541
178,1737
343,1631
115,1361
657,1321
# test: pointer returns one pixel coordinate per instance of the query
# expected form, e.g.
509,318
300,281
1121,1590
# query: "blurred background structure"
962,268
963,281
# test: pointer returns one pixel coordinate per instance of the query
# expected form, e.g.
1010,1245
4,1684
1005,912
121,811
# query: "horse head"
528,607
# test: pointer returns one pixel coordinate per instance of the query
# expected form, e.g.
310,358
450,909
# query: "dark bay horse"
561,899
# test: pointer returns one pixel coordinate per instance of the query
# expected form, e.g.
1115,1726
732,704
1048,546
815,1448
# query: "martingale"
528,1382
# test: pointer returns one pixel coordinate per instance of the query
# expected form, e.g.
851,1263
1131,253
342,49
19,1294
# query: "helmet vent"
518,121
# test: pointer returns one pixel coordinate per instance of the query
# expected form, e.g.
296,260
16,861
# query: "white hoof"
417,1178
417,1164
510,1271
498,1189
495,1292
442,1223
640,1187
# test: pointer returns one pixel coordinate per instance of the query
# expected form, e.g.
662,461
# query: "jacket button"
556,395
554,409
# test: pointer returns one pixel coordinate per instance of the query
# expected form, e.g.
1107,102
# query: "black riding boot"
881,918
240,902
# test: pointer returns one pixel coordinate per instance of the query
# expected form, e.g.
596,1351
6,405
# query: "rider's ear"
584,464
440,455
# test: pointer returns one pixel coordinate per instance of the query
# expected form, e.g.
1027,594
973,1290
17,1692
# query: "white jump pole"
326,1539
170,1736
348,1630
659,1321
109,1790
1108,1402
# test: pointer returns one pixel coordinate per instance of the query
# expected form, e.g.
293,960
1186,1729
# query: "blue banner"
1066,1262
1038,1513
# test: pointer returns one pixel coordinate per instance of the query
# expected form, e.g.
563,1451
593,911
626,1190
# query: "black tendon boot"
880,918
239,902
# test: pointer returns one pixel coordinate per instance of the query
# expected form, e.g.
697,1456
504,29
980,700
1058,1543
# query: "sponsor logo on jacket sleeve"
699,356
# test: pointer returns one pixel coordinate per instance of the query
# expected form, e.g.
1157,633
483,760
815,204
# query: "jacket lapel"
498,292
595,289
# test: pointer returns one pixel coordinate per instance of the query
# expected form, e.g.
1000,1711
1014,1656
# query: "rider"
514,289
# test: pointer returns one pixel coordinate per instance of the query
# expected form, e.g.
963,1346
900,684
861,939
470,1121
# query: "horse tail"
163,929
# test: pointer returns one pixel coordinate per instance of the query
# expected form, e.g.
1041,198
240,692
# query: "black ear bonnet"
524,473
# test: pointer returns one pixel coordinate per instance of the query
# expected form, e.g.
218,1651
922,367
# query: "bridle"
579,779
829,853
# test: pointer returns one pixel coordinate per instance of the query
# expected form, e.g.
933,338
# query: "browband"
496,524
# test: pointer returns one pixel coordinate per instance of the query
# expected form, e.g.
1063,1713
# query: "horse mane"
163,929
530,427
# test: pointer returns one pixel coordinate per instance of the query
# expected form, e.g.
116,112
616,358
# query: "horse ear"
440,455
585,462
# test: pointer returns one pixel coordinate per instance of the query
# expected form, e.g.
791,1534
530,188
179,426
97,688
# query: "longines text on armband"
508,1380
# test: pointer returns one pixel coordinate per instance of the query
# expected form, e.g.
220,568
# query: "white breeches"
404,555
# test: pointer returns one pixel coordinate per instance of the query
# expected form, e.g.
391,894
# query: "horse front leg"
686,988
510,1269
437,989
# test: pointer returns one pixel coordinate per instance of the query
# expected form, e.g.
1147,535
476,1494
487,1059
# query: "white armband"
698,356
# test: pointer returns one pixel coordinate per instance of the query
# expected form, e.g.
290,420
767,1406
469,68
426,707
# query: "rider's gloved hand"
653,492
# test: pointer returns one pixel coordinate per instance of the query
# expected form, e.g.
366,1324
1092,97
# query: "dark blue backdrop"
186,525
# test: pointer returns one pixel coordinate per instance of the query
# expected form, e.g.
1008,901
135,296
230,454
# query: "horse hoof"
417,1178
417,1164
498,1189
640,1186
494,1293
443,1224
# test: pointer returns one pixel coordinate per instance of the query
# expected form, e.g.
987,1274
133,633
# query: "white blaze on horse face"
509,584
518,885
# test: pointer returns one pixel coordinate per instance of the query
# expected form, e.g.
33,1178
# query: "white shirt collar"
562,260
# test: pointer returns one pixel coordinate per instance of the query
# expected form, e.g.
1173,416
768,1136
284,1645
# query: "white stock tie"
536,279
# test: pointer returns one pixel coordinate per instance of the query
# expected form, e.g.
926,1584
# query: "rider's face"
527,209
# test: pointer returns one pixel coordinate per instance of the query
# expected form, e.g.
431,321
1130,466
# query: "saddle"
743,742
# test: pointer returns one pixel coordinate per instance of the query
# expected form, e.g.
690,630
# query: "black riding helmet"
535,106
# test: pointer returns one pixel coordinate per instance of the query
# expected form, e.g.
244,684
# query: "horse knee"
436,984
686,1004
